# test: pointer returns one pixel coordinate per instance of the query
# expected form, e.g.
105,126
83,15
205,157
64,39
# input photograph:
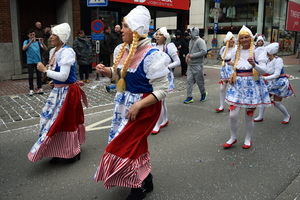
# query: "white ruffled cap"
163,30
228,36
260,38
138,19
244,28
63,31
272,48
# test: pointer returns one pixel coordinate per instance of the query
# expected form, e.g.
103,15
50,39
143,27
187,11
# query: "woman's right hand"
100,69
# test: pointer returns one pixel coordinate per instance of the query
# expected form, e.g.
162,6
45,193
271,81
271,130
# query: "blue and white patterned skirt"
280,87
247,92
225,72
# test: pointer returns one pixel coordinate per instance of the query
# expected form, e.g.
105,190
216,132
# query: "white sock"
164,113
233,122
260,113
281,107
249,127
222,95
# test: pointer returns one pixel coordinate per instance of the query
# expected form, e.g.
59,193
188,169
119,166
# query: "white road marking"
94,126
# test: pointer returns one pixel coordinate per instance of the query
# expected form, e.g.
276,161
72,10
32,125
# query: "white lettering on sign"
295,14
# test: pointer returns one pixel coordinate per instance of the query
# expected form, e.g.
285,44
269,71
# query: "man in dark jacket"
116,40
106,46
83,49
184,50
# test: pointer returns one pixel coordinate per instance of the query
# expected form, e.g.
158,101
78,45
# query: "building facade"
265,17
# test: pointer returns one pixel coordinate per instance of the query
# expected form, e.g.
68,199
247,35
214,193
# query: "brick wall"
76,17
5,22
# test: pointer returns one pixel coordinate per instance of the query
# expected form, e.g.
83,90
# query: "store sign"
293,17
174,4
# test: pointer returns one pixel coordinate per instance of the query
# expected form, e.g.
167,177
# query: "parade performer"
277,83
163,44
247,89
143,83
62,129
228,55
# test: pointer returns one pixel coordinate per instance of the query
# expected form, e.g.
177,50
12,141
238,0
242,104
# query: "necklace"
52,59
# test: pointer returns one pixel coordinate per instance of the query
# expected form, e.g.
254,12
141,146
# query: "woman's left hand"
133,112
41,67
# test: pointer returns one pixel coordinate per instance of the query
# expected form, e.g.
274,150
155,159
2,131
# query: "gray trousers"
195,75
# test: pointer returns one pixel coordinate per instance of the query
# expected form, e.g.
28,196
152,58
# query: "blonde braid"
237,57
225,52
254,72
121,86
118,58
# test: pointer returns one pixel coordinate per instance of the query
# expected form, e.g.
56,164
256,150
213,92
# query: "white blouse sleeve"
172,51
65,59
278,65
261,60
155,67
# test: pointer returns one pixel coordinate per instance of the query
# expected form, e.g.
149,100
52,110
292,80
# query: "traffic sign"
215,27
97,26
96,3
97,36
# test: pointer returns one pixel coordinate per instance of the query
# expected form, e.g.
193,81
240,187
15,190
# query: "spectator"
62,129
83,49
151,33
106,46
184,50
195,58
32,47
45,53
214,42
39,32
116,40
177,40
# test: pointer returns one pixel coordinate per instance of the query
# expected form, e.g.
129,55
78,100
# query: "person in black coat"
83,49
184,50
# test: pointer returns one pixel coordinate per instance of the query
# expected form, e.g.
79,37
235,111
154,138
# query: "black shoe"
136,194
107,88
54,160
71,160
148,183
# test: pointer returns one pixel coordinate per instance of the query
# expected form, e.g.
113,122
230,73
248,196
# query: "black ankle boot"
148,183
136,194
71,160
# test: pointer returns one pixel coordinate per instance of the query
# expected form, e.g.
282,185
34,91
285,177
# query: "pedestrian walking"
227,54
184,50
143,83
163,44
247,88
62,129
83,49
277,83
33,47
195,59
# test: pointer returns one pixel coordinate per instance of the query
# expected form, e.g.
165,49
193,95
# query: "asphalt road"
188,161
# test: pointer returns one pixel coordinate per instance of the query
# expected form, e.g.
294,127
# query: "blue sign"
97,37
217,1
215,27
96,3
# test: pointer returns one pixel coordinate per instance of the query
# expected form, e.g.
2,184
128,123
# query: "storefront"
113,14
264,17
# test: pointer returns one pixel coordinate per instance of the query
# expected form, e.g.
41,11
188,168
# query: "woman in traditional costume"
247,88
277,83
142,85
163,44
227,54
62,129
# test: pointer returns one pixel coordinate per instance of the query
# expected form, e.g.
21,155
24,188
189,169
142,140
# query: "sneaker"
40,91
189,100
107,88
30,92
204,96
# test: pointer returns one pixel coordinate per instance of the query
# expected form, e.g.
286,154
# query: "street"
187,157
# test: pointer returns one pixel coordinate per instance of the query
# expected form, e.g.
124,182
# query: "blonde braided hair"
121,85
225,52
238,53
